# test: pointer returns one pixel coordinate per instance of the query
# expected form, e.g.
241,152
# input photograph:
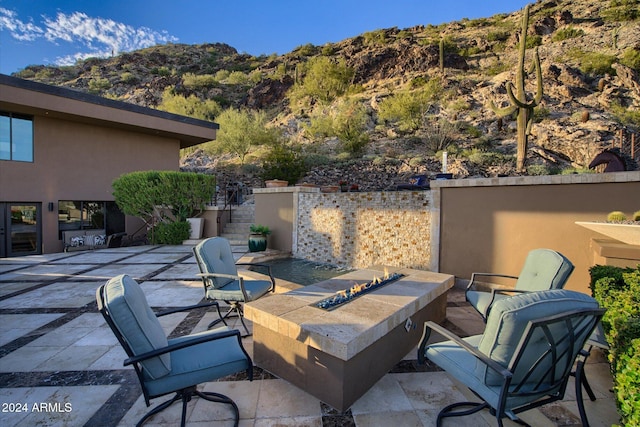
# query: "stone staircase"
237,231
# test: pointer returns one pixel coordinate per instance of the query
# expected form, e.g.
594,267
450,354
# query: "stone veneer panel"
363,229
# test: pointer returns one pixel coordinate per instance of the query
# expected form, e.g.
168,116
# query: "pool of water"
303,272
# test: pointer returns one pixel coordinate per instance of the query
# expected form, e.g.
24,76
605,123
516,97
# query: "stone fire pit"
338,355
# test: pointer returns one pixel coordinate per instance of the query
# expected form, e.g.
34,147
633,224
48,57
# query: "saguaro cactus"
519,103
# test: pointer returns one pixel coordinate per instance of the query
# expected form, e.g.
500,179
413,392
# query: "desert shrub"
190,106
170,233
127,77
284,163
98,84
237,78
483,158
567,33
537,170
497,36
350,125
194,81
408,108
626,116
324,80
221,75
439,133
328,49
375,38
631,58
533,41
621,10
306,50
593,63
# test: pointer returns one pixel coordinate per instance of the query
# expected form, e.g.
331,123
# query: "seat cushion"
544,269
232,292
200,363
509,318
215,256
130,312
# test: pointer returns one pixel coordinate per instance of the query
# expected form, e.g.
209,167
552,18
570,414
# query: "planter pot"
625,233
330,189
197,226
275,183
257,243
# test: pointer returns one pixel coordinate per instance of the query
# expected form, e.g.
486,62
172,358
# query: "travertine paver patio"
59,358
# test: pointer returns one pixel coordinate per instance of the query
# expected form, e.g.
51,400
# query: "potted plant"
258,237
617,227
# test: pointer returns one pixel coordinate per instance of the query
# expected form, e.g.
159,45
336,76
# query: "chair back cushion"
214,255
544,269
507,325
136,322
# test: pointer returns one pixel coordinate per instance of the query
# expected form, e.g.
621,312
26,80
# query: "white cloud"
18,29
101,37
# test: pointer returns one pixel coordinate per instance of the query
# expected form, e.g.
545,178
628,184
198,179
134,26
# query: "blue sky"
58,32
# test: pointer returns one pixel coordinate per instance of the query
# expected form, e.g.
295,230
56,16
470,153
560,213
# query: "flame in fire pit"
346,295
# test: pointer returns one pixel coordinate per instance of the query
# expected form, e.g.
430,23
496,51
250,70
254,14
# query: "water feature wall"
363,229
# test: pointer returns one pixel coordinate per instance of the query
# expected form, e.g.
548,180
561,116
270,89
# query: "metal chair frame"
184,394
553,382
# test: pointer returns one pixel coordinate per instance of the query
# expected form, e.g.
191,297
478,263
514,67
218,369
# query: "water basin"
302,271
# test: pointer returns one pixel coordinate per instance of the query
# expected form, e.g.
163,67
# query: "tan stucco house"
61,149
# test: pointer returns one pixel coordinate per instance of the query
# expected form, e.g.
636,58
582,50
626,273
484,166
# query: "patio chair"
543,269
219,274
174,365
525,356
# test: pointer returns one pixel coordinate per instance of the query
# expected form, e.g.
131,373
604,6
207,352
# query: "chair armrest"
228,276
429,325
188,308
183,344
488,285
268,267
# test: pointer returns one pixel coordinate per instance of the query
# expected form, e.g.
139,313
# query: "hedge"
618,291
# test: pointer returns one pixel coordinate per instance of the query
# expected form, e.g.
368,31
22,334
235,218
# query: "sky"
60,32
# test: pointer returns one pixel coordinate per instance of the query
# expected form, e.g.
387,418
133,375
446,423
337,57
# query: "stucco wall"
76,161
489,225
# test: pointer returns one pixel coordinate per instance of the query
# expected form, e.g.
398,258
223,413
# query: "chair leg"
581,381
447,411
186,395
159,408
235,310
221,398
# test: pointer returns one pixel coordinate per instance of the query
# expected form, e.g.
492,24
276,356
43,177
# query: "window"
77,215
89,215
16,137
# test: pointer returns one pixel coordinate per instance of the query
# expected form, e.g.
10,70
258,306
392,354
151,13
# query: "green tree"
240,130
190,106
167,196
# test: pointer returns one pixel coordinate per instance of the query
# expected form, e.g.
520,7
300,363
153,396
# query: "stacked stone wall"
363,229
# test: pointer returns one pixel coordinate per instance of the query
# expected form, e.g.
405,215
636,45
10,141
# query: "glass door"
22,229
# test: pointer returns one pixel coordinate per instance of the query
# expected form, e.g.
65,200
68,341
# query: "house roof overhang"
38,99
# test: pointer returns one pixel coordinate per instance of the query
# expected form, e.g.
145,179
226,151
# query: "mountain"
590,61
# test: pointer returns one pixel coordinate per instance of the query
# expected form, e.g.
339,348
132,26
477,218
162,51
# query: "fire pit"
346,295
337,354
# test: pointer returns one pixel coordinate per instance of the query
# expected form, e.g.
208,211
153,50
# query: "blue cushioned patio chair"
525,356
221,280
543,269
174,365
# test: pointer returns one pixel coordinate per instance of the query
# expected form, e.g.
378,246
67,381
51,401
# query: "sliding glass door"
20,229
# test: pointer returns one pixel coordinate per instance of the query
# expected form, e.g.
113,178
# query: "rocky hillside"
590,60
